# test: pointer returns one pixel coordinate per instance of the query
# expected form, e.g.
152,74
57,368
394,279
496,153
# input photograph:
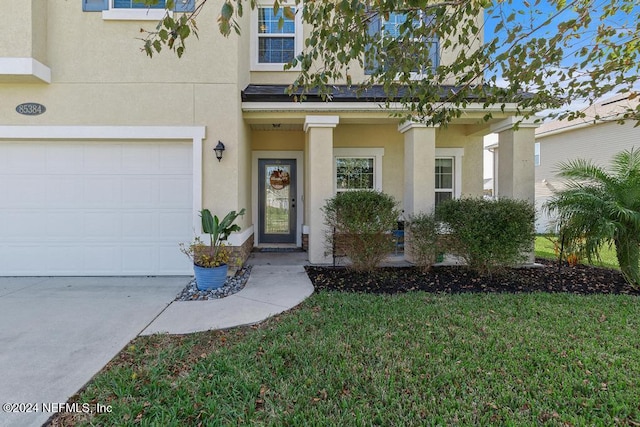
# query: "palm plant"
602,206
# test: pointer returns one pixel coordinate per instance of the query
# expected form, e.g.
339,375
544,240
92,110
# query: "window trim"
367,153
413,75
456,154
254,45
135,14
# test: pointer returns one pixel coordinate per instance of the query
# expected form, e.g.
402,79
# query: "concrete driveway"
56,333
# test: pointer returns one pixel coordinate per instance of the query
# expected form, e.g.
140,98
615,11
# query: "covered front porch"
323,148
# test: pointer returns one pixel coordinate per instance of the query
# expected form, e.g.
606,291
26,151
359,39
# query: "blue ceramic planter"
210,278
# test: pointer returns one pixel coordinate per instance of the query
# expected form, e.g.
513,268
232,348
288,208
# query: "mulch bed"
581,279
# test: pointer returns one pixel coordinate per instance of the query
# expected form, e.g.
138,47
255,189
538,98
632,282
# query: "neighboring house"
111,177
596,137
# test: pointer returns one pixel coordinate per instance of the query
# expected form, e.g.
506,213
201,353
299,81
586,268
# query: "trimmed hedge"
423,235
361,221
488,234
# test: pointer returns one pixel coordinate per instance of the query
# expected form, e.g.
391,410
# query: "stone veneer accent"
239,254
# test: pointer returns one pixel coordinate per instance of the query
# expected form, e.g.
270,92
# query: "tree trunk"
628,254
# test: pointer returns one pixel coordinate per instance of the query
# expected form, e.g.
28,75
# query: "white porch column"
419,173
516,169
419,167
318,180
516,173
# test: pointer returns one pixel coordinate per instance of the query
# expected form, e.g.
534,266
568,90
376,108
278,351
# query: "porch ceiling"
283,119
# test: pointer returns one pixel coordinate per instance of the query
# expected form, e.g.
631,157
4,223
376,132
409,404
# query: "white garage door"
94,208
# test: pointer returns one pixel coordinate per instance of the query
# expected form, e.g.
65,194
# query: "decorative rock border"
232,285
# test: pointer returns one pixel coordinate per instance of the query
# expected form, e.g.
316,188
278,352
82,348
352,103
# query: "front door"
277,200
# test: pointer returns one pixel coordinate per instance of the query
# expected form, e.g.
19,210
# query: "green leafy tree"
540,54
601,206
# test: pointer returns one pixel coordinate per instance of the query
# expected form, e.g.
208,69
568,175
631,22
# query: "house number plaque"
31,109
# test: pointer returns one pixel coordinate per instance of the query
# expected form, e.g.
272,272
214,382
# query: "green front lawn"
545,249
407,359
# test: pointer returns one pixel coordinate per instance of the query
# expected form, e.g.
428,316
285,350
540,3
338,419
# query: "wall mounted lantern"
219,149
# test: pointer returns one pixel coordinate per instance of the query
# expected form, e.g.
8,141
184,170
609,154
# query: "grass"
405,359
544,248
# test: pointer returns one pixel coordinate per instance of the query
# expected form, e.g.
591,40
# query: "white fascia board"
102,132
355,107
25,67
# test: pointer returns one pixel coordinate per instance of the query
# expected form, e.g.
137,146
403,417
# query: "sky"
536,12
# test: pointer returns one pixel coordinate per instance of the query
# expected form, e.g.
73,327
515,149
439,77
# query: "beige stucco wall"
392,141
24,30
447,57
472,161
100,76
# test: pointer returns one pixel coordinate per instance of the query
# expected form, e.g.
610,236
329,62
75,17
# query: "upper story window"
135,9
390,29
137,4
276,38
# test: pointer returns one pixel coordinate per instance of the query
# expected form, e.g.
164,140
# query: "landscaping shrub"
423,233
360,222
488,234
600,207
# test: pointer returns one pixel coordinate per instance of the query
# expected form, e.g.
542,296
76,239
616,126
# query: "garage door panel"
63,192
141,160
102,159
174,192
24,225
140,192
25,159
66,224
64,160
139,225
103,226
102,192
172,262
176,225
102,259
63,259
93,208
138,259
175,159
23,192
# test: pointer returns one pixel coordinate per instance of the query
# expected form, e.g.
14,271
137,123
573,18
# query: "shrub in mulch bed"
580,279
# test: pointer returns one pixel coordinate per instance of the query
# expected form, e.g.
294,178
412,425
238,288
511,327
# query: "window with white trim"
276,37
358,169
448,174
137,4
444,179
382,27
136,9
354,173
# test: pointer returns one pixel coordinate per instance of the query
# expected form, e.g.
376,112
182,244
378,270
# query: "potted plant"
210,261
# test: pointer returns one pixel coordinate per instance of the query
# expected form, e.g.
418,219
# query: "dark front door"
277,200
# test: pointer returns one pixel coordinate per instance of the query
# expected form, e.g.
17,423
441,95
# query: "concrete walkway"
277,283
57,333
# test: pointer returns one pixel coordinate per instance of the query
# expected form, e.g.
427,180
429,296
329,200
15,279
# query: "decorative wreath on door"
279,179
